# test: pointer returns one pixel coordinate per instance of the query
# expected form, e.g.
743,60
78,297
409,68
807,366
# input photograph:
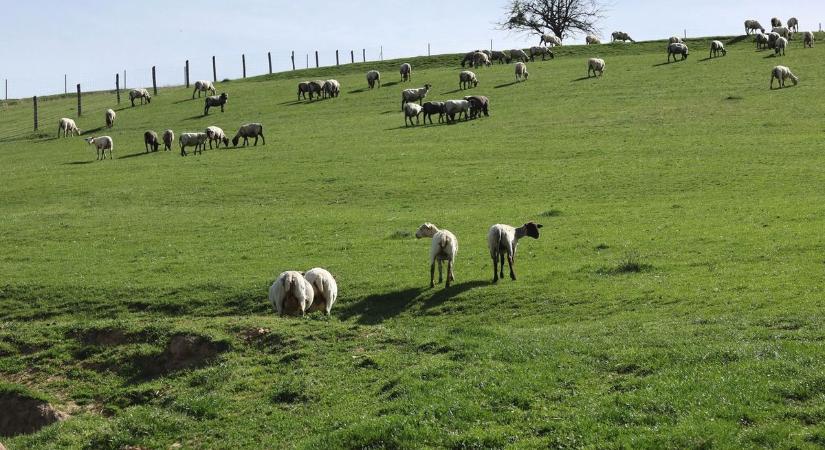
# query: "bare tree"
562,17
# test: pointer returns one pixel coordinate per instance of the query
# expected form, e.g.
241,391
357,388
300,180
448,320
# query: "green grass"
673,299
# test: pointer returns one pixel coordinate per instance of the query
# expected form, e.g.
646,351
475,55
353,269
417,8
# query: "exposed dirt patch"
254,334
184,351
23,414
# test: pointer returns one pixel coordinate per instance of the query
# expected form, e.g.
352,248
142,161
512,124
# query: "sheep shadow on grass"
442,295
75,163
452,92
662,64
772,55
377,308
92,131
132,155
506,84
390,83
582,79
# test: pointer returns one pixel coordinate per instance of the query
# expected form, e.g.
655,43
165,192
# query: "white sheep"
291,293
677,49
67,126
481,59
620,36
753,25
453,107
203,86
150,141
521,71
198,140
411,95
412,110
782,73
762,41
717,47
779,46
324,289
772,38
141,94
793,24
543,51
502,240
808,39
168,140
373,76
102,143
249,130
465,78
783,31
406,72
591,39
110,118
444,247
332,88
549,39
675,40
595,65
215,134
518,55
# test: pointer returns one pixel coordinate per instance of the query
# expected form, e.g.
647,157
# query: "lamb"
775,22
303,90
332,88
783,31
141,94
465,78
218,100
782,73
808,39
675,40
168,140
203,86
247,131
592,40
110,118
406,72
67,126
412,110
291,293
717,47
543,51
198,140
411,95
150,141
215,134
779,46
478,104
444,247
503,240
521,71
518,55
481,59
102,144
595,65
430,108
373,76
453,107
549,39
677,49
499,56
793,24
620,36
761,41
324,287
753,25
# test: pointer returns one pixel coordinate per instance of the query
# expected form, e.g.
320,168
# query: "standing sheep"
219,100
412,110
324,287
203,86
332,88
168,140
717,47
772,38
521,71
779,46
465,78
150,141
502,240
592,40
793,24
141,94
102,144
373,76
247,131
543,51
783,31
478,104
808,39
411,95
762,41
303,90
753,25
782,73
444,247
775,22
316,88
198,140
549,39
481,59
620,36
215,134
67,126
430,108
406,72
110,118
468,58
595,65
675,40
518,55
677,49
453,107
291,293
499,56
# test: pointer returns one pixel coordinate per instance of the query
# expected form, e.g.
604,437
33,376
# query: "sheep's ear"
538,225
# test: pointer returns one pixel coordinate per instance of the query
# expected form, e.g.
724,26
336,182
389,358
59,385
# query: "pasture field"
673,300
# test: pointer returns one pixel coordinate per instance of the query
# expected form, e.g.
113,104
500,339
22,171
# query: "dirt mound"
22,414
184,351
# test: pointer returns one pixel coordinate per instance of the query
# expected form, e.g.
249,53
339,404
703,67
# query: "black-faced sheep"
549,39
499,56
203,86
620,36
782,73
412,110
197,140
303,90
717,47
217,100
247,131
481,59
168,140
779,46
543,51
753,25
150,141
519,55
762,41
502,240
141,94
216,135
110,118
591,39
521,71
775,22
444,247
595,65
332,88
373,76
411,95
456,107
406,72
431,108
677,49
465,78
479,104
316,88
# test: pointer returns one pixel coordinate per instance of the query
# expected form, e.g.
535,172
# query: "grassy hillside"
673,299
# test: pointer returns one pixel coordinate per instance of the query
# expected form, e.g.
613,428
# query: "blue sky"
41,40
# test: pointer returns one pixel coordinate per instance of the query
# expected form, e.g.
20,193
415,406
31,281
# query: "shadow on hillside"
74,163
377,308
195,117
441,296
705,59
662,64
506,84
581,79
132,155
772,55
358,91
391,83
737,39
92,130
451,92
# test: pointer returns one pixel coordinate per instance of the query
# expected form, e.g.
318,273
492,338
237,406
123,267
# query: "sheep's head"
532,229
426,230
225,141
235,141
90,140
428,86
224,97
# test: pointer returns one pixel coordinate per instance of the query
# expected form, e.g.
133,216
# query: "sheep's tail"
443,242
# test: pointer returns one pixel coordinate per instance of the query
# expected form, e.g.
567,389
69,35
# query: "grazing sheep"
518,55
717,47
219,100
324,287
465,78
102,143
411,110
249,130
303,90
808,39
468,58
406,72
543,51
783,31
753,25
67,126
793,24
481,59
549,39
291,293
168,140
772,38
677,49
782,73
499,56
761,41
316,88
150,141
779,46
198,140
592,40
503,240
430,108
453,107
620,36
332,88
521,71
215,134
444,247
478,104
110,118
411,95
141,94
595,65
203,86
373,76
775,22
675,40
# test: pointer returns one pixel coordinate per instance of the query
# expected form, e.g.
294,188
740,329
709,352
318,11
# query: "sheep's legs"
495,268
450,276
432,273
440,272
501,258
510,263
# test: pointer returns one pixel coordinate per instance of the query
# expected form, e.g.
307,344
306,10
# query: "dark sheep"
150,141
478,104
431,108
219,100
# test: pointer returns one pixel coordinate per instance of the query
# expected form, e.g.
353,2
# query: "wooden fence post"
79,109
364,54
336,58
352,56
243,64
186,74
269,57
35,112
124,79
154,82
117,87
293,59
316,59
214,71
